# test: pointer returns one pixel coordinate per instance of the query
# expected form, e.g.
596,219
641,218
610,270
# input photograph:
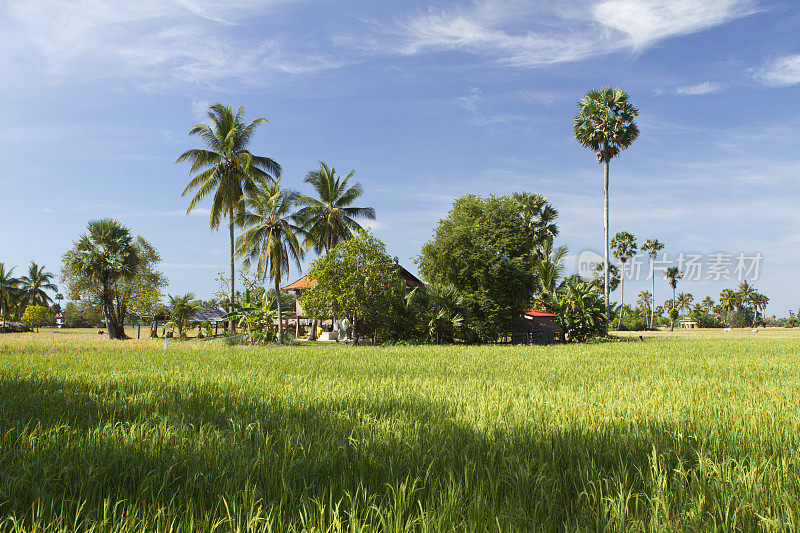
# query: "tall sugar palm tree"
9,287
727,300
36,283
605,124
538,220
330,217
226,169
624,247
271,237
652,247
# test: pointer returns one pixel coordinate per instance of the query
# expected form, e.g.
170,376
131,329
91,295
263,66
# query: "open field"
679,434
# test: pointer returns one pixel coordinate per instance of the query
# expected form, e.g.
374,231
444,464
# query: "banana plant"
256,320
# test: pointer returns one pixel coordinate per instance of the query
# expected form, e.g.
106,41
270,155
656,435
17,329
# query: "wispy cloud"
470,102
153,42
783,71
706,87
501,29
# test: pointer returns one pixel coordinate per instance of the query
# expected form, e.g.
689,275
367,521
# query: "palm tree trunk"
231,327
621,295
280,307
653,294
605,233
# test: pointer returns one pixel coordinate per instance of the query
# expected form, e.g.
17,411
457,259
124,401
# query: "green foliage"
441,311
10,291
108,270
330,217
581,310
255,319
37,315
36,284
481,251
358,280
181,309
605,122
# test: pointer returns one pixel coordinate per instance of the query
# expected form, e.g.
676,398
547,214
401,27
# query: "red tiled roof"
536,312
302,283
306,282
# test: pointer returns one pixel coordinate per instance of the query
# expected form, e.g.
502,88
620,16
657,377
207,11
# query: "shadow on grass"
186,449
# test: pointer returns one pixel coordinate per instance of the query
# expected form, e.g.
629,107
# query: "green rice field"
676,433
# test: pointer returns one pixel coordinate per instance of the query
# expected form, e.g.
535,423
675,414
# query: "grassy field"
674,433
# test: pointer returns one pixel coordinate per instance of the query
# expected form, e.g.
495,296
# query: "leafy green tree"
479,249
181,309
9,289
99,262
36,316
581,310
36,283
652,247
605,125
271,237
256,319
226,169
357,280
623,245
330,217
672,275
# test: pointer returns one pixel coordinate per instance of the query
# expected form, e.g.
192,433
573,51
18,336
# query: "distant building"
536,327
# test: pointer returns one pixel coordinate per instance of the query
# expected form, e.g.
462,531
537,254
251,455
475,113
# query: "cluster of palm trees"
18,293
278,224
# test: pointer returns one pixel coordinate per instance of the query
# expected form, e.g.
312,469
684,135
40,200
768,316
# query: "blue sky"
426,100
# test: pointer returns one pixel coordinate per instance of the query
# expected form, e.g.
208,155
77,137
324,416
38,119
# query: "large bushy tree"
482,249
108,269
356,280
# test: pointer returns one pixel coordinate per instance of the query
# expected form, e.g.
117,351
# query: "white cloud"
470,102
783,71
515,33
706,87
155,43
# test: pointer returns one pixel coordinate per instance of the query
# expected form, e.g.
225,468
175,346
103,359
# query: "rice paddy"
674,434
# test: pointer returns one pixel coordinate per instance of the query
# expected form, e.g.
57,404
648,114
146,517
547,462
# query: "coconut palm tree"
330,217
105,255
624,247
226,169
36,283
271,237
604,124
652,247
707,304
684,300
9,288
760,302
745,293
548,275
645,301
672,275
727,300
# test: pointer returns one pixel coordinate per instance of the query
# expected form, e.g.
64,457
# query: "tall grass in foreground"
674,435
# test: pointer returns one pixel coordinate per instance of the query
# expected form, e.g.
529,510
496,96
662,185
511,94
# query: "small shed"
536,327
